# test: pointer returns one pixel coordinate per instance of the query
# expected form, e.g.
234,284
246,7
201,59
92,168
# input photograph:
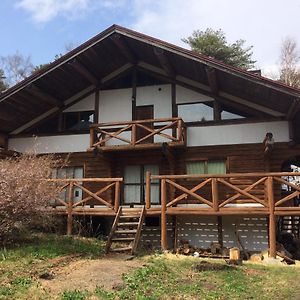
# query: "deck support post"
272,218
164,241
148,190
117,196
70,208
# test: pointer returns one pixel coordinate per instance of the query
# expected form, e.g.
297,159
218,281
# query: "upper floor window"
76,121
195,112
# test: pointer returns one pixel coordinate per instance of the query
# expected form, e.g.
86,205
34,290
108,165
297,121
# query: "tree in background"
289,63
3,85
213,43
16,67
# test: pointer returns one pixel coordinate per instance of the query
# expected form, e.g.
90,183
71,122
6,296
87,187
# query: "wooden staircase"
126,230
291,224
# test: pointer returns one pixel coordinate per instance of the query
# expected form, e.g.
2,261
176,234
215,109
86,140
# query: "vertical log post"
117,196
133,134
164,242
70,209
148,190
215,194
179,124
92,134
272,218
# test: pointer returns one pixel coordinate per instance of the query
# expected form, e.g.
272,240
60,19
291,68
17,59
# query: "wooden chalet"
168,143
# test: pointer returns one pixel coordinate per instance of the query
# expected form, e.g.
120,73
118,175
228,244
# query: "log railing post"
70,209
164,242
272,218
92,135
148,190
117,196
215,194
133,134
179,125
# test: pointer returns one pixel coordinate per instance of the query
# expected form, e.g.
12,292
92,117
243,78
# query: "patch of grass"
22,264
74,295
43,246
179,278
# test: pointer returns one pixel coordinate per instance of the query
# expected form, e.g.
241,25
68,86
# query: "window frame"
196,102
206,161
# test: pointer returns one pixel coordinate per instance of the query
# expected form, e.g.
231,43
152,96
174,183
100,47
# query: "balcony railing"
140,134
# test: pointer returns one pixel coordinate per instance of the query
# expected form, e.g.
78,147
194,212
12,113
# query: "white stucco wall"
50,144
157,95
115,105
88,103
237,134
184,95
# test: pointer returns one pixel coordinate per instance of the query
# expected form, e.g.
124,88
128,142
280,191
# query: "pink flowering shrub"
25,192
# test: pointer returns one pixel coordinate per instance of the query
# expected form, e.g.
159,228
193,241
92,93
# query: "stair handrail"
138,232
113,228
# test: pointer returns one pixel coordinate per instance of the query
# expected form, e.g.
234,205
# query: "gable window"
195,112
206,167
77,121
69,173
226,115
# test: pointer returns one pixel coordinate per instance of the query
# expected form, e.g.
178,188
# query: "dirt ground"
85,274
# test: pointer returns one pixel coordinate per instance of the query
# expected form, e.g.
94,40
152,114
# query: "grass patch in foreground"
22,264
180,278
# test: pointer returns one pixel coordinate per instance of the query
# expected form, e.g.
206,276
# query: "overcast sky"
42,28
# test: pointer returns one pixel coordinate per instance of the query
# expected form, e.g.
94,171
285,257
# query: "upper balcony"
138,135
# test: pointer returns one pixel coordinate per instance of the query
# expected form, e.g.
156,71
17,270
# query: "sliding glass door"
135,182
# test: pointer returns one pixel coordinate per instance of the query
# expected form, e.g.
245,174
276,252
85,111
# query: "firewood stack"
215,250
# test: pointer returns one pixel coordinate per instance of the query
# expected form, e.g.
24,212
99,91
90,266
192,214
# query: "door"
135,182
144,113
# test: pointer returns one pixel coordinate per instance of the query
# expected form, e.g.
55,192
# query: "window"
195,112
226,115
135,181
69,173
76,121
206,167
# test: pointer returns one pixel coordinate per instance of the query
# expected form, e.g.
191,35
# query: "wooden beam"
174,104
121,44
37,92
164,241
293,109
220,230
212,80
133,98
164,61
55,110
83,71
272,218
97,98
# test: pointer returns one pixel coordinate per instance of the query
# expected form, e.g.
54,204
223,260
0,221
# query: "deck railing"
92,190
128,134
217,192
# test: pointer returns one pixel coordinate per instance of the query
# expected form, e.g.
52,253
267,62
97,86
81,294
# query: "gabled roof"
115,51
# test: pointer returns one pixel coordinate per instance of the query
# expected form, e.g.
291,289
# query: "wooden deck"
213,194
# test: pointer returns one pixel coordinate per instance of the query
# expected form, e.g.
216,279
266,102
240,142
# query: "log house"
148,124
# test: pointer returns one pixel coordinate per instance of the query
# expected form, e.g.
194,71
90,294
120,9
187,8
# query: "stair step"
120,249
128,224
129,216
123,239
126,231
